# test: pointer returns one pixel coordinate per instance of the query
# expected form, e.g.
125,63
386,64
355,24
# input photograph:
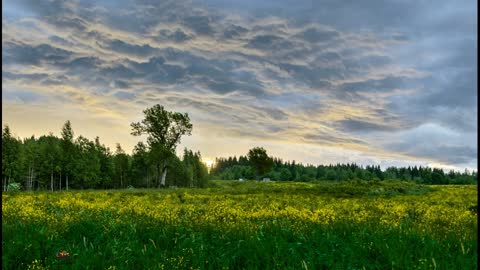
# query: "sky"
389,83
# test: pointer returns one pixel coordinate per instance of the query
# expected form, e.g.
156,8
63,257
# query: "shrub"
13,187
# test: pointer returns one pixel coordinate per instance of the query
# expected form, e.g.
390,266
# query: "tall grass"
232,225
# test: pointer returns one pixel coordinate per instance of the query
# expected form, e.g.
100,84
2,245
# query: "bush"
13,187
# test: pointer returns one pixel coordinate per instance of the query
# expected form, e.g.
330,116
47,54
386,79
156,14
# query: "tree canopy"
164,130
53,163
163,127
260,161
235,168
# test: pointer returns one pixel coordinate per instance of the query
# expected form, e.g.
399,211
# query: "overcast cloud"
383,82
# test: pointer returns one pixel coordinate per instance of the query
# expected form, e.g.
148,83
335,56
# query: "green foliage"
197,171
179,175
140,173
13,187
86,171
67,132
11,158
79,163
236,172
107,168
228,168
285,174
164,130
163,127
68,152
260,161
121,165
64,163
50,151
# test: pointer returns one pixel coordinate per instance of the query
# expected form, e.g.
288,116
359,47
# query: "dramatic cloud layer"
371,82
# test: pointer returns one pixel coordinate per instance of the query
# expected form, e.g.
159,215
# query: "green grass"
233,225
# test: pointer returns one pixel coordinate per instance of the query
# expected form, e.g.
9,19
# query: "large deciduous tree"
164,130
260,161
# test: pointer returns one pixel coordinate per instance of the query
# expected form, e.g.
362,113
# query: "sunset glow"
209,162
317,82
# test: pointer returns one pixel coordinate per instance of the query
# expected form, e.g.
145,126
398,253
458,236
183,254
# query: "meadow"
245,225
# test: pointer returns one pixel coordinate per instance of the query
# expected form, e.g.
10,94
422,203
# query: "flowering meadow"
244,225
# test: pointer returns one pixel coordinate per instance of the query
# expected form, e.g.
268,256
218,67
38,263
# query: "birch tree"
164,130
68,149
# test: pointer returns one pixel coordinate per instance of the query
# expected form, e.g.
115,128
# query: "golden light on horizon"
209,162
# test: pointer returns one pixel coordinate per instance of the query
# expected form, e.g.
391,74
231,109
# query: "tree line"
66,162
276,169
54,163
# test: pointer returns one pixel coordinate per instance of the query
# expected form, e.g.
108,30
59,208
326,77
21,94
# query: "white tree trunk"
9,178
30,178
33,177
164,175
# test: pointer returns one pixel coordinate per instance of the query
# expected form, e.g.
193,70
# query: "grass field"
250,225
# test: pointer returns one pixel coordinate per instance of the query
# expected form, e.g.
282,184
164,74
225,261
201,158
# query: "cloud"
364,126
68,23
436,142
124,95
24,54
329,139
389,83
178,36
315,77
61,41
120,84
234,31
129,49
21,96
19,76
370,77
199,24
273,113
55,80
265,42
52,8
81,64
315,35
